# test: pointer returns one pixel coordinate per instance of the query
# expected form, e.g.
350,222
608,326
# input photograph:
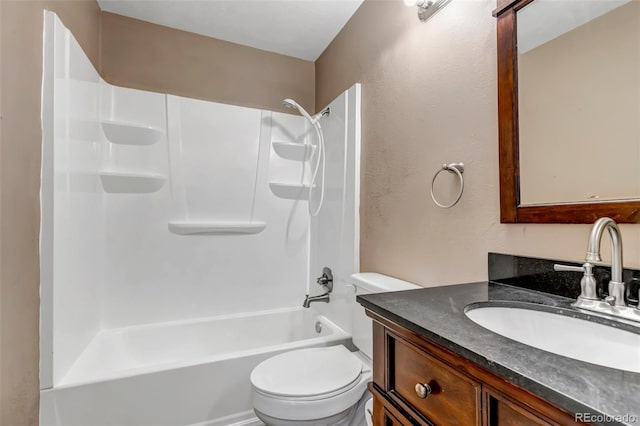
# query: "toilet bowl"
314,386
322,386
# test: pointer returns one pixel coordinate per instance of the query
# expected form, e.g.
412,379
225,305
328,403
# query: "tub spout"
310,299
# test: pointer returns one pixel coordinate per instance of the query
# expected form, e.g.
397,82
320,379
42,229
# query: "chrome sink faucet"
615,303
616,285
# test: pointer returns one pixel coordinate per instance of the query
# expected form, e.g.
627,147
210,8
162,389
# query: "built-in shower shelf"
290,191
124,133
293,151
190,228
131,183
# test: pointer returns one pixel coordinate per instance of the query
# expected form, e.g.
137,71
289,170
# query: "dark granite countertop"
437,313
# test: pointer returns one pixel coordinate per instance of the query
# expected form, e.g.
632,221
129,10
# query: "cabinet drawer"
453,399
503,412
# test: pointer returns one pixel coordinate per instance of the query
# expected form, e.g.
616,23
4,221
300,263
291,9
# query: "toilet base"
340,419
353,416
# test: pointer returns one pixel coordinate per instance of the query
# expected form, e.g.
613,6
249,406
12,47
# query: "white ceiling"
298,28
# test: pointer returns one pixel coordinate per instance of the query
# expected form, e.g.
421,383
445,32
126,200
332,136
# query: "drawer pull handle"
423,390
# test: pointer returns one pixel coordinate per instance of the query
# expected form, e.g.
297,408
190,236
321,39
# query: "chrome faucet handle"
323,280
557,267
588,289
326,279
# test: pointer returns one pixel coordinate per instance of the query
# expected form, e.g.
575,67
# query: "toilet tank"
367,283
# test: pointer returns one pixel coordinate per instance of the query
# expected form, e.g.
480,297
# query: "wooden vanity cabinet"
419,383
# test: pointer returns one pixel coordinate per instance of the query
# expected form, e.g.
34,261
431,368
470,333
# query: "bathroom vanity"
418,381
432,365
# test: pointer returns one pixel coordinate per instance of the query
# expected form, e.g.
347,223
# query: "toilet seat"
312,373
309,383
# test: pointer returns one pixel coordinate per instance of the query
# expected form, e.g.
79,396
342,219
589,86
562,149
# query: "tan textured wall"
152,57
429,97
20,136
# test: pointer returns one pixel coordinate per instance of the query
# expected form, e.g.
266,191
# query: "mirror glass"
579,101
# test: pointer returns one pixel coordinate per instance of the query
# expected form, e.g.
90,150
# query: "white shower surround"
156,275
118,263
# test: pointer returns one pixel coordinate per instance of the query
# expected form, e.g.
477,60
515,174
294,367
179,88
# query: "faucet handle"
326,280
588,288
557,267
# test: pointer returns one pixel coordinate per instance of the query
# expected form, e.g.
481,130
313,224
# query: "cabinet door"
503,412
391,420
385,414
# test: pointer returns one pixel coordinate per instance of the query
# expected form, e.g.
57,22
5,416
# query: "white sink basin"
563,335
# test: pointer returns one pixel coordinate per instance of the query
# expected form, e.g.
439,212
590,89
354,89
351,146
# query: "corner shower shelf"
131,183
293,151
290,191
190,228
130,133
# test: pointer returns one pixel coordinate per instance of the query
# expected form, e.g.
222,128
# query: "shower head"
290,103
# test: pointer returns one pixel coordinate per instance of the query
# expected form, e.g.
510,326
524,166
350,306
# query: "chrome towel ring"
456,168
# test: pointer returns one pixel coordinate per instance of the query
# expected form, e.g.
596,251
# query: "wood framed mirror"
538,184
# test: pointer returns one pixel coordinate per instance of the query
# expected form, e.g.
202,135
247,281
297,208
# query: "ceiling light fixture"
426,8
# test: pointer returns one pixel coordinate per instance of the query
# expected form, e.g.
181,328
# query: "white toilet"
322,386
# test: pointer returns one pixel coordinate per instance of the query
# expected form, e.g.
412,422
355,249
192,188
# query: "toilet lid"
307,372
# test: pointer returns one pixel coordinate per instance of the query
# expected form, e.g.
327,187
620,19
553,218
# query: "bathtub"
179,373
